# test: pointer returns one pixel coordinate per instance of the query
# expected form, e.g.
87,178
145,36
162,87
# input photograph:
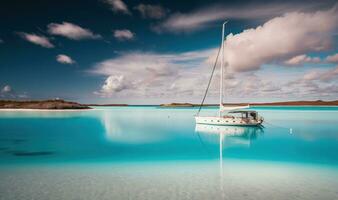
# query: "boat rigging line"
212,74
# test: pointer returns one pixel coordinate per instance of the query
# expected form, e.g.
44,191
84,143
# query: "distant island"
178,105
286,103
93,104
44,104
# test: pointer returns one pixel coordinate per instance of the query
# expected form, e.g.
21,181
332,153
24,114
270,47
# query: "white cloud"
312,75
6,89
118,6
146,75
64,59
301,59
327,75
113,84
316,83
124,34
36,39
318,75
282,90
201,18
154,75
8,93
150,74
332,58
71,31
285,37
279,38
151,11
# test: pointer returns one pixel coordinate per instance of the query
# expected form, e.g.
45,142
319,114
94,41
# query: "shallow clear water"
159,153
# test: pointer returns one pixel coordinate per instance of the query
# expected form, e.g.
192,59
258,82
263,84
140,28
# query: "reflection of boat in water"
228,130
229,136
235,135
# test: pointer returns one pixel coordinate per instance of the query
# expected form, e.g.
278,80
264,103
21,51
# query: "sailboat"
229,115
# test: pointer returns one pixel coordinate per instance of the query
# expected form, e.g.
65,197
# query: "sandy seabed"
169,180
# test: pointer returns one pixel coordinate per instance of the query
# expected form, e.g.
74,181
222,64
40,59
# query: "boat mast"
221,79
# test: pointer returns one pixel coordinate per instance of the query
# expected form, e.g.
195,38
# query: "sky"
152,52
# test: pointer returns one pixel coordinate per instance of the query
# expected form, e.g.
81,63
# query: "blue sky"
146,52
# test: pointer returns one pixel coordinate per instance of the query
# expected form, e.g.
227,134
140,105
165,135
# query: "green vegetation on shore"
43,104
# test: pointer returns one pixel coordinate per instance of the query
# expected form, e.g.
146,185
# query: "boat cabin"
247,114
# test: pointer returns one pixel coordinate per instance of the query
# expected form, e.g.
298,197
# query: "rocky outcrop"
177,105
45,104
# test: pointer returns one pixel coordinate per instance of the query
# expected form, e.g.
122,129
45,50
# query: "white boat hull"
227,121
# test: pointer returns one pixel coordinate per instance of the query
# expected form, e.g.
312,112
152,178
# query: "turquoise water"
158,153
